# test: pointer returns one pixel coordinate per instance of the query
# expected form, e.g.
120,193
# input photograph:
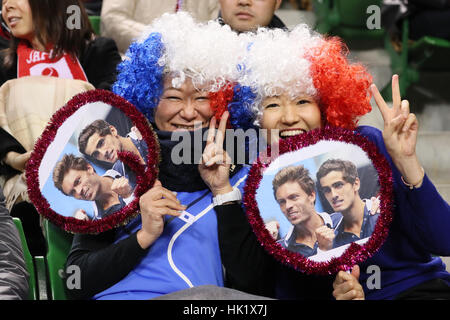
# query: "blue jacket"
419,230
185,255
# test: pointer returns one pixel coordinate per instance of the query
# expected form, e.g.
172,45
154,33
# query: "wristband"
414,185
234,195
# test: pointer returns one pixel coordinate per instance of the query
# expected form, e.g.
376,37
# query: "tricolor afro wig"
303,62
176,45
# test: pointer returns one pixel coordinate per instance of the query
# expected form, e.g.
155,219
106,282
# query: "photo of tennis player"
75,177
80,174
101,141
339,182
323,197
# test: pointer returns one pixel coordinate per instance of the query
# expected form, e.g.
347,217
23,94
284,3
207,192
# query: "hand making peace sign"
400,133
215,165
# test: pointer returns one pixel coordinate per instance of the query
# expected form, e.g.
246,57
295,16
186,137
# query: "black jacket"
251,269
13,271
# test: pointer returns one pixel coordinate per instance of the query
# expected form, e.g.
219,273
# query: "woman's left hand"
347,287
215,165
400,132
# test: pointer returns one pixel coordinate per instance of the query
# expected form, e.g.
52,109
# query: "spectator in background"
42,33
429,18
13,275
426,18
74,60
124,20
248,15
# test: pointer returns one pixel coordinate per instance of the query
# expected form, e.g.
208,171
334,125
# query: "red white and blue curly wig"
176,45
303,62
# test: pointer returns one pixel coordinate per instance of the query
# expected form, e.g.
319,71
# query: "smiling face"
296,205
247,15
182,108
19,19
339,193
104,148
290,116
81,184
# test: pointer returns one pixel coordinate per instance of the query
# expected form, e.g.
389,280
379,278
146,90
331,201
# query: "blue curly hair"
140,77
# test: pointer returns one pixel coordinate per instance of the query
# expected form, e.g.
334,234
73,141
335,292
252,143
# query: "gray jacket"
13,272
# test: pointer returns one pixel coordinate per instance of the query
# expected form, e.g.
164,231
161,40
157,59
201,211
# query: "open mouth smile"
291,132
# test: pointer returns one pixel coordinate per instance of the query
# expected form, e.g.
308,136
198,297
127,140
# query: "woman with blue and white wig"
179,75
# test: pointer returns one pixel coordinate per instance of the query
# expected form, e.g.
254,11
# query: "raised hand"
215,164
400,133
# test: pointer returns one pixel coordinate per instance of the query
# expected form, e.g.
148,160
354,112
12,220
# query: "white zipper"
181,230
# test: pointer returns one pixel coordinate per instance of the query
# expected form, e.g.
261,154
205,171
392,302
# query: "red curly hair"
219,101
342,86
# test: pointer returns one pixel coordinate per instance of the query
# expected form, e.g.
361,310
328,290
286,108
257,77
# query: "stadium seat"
426,54
32,293
59,243
95,23
346,18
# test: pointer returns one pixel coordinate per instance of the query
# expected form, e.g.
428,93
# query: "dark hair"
50,24
68,162
98,126
348,169
297,174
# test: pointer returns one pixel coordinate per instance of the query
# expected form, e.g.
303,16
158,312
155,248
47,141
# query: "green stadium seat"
59,243
426,54
346,18
95,23
33,293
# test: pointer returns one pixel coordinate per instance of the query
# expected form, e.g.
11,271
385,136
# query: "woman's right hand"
17,161
155,204
215,164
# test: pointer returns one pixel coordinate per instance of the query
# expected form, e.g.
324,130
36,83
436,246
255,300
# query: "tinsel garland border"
355,253
145,175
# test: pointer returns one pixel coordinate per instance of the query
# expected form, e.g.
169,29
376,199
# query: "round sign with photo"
92,163
321,201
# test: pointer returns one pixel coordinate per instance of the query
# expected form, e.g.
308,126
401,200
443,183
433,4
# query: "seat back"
431,54
347,18
59,243
353,13
32,293
95,23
